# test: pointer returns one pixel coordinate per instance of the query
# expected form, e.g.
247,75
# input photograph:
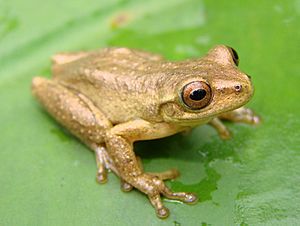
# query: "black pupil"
198,94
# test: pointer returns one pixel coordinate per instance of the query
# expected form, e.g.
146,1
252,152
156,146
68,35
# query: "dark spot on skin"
248,76
198,94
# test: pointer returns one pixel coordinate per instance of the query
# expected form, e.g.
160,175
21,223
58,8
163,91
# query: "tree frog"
112,97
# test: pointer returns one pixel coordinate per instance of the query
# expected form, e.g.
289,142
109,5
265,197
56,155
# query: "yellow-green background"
48,178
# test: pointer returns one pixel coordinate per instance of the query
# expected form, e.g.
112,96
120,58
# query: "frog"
113,97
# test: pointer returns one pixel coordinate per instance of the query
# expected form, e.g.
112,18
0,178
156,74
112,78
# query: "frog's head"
199,90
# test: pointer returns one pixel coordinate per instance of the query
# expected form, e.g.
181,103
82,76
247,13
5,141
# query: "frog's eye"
196,95
234,55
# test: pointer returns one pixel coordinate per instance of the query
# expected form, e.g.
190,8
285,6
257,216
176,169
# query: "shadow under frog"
188,147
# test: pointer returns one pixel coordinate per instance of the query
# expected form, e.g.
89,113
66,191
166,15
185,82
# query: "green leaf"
48,177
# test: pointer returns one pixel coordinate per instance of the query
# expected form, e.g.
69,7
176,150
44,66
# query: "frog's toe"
222,130
246,115
161,211
254,119
101,177
126,187
190,198
225,134
104,164
166,175
186,197
243,114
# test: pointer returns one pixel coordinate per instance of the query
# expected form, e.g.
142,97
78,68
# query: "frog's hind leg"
79,115
243,115
71,109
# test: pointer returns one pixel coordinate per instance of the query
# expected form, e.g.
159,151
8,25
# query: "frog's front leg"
119,141
243,115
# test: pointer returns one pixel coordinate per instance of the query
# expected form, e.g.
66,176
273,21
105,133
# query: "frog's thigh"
79,115
72,110
243,114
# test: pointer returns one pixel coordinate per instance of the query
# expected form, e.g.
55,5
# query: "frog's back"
115,79
107,59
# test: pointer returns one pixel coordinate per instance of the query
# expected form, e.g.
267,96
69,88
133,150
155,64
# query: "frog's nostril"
238,88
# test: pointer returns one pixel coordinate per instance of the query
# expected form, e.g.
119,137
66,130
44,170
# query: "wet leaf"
48,177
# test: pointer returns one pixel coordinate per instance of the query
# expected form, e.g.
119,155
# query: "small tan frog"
113,97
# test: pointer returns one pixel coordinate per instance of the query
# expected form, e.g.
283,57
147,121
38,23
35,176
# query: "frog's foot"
165,175
155,187
104,164
243,114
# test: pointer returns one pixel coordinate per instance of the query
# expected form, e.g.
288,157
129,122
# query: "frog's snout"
243,87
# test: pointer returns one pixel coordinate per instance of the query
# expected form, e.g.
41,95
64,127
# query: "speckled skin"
115,96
